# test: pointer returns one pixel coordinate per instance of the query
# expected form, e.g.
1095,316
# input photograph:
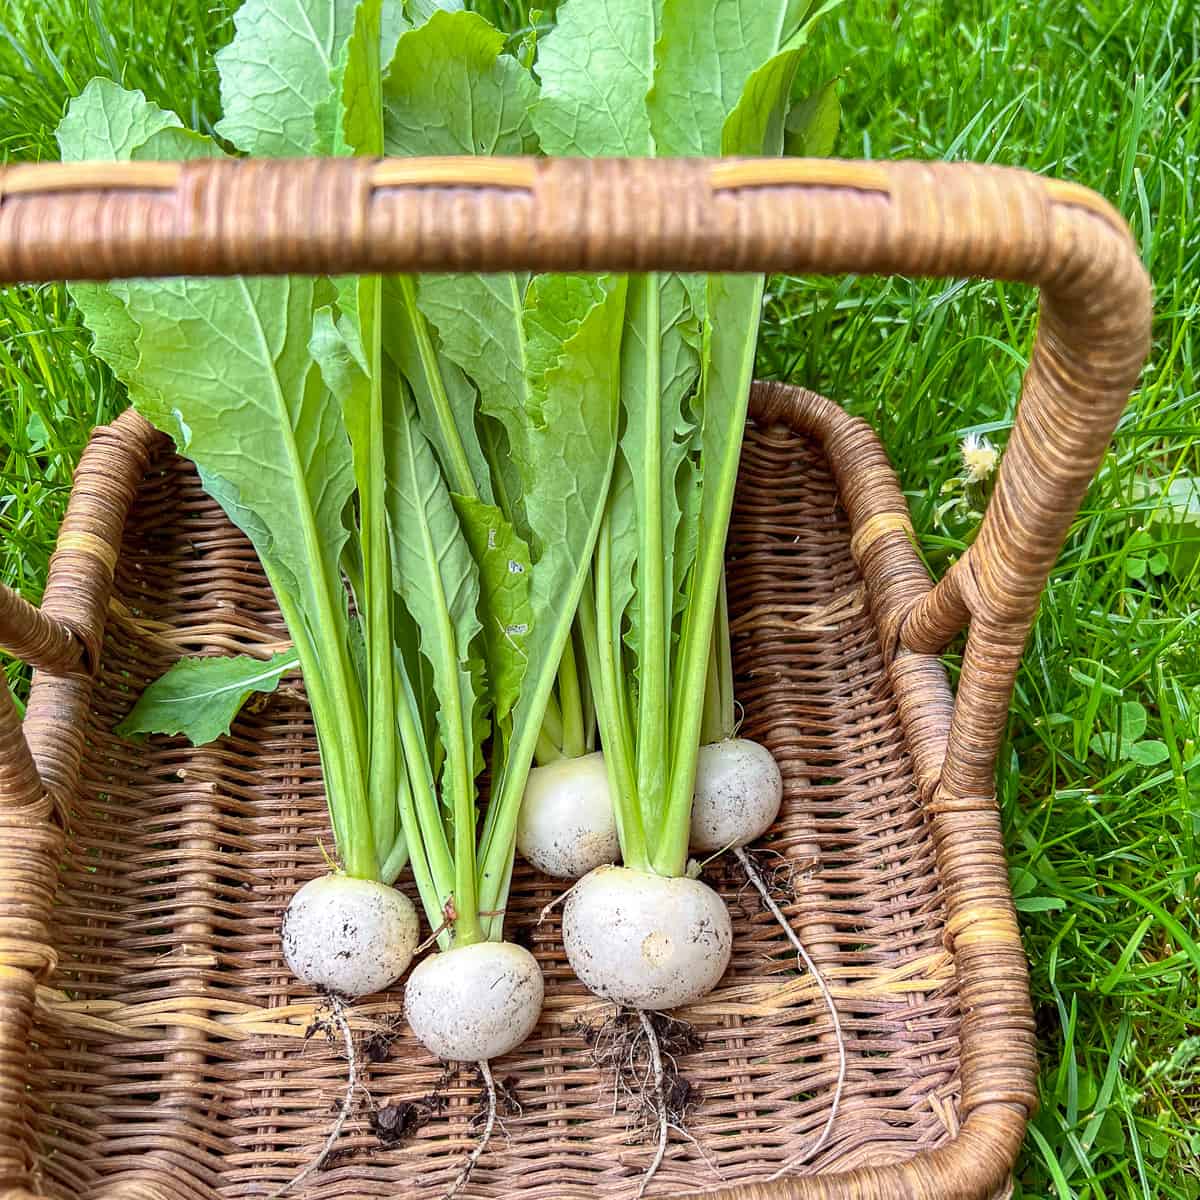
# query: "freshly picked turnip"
567,825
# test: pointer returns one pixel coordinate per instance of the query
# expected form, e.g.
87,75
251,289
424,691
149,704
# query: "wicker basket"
152,1044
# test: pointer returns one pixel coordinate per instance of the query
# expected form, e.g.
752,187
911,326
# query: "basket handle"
268,216
63,637
258,216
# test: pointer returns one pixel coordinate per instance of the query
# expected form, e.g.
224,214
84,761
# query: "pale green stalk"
653,745
670,857
377,572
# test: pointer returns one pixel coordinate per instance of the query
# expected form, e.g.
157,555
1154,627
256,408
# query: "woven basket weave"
152,1044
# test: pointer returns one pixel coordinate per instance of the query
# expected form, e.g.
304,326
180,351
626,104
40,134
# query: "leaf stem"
652,745
546,752
723,643
552,723
573,738
348,810
434,895
420,814
464,481
377,570
602,631
731,398
711,728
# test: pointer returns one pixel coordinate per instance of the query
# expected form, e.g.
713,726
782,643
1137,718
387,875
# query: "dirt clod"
393,1123
378,1047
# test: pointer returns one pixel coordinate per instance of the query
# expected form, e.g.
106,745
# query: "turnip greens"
492,507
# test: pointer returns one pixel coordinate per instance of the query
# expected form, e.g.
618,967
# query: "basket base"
175,1056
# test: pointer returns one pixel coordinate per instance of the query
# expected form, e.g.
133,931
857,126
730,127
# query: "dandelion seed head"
979,458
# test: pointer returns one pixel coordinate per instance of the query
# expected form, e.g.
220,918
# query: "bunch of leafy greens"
331,424
449,444
684,77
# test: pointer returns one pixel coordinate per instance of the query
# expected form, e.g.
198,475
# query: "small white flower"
979,457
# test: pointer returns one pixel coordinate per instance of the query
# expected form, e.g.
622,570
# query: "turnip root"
567,826
738,793
475,1002
646,941
349,936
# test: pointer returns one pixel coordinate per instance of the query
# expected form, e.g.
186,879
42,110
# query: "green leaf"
224,366
355,372
565,445
1022,881
106,123
756,124
336,348
733,305
345,366
419,11
1148,753
812,125
176,145
659,367
596,66
688,496
438,581
1106,745
704,59
479,322
678,375
444,396
450,90
504,609
623,541
1039,904
278,71
568,452
435,575
199,697
1135,568
362,83
233,355
1133,720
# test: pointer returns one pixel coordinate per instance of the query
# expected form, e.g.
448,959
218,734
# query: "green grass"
1100,774
51,392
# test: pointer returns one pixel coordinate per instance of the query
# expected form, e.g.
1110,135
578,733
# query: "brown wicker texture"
152,1043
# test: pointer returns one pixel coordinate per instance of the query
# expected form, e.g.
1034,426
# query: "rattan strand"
177,861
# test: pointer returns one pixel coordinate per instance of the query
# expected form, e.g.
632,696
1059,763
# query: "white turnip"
644,940
737,796
476,1002
349,936
567,826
